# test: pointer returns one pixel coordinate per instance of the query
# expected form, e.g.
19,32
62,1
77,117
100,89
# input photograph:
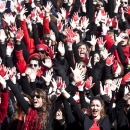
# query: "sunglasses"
37,96
123,2
31,65
41,51
125,37
99,5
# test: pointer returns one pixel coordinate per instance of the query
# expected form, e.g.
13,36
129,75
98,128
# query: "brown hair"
45,107
102,113
19,110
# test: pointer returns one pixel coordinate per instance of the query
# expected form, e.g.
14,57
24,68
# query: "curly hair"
102,113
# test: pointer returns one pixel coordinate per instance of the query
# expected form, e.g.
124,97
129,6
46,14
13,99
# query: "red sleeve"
28,41
109,43
3,105
67,13
46,28
19,55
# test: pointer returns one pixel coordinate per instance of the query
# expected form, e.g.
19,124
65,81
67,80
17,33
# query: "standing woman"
97,120
36,113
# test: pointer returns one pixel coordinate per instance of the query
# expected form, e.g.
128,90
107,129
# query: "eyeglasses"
123,2
41,51
37,96
31,65
125,37
99,5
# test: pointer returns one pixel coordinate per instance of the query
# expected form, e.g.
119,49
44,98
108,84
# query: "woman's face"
125,39
84,67
59,115
96,57
99,6
124,3
82,50
37,100
95,108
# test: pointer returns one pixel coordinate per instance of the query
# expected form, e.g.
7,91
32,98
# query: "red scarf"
33,120
126,51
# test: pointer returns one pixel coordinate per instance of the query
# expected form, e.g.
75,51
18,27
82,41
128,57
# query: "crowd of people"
64,64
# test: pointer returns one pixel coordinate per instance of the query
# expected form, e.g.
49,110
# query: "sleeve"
77,111
28,41
3,105
69,116
46,27
82,100
25,85
23,103
35,35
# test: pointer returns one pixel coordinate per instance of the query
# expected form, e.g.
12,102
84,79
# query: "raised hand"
126,78
127,31
60,26
18,7
51,53
114,22
3,70
93,40
48,77
84,22
115,66
34,14
127,10
48,7
2,7
7,18
13,28
110,60
19,34
61,48
63,13
21,64
100,42
76,17
32,75
2,82
88,83
82,2
10,48
48,62
78,75
104,53
2,35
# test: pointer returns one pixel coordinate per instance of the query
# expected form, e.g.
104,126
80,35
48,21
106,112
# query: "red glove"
18,7
127,31
59,83
114,22
33,14
100,42
75,17
3,70
10,44
41,14
109,60
19,35
13,28
126,78
82,2
59,25
114,66
21,64
88,84
50,52
2,7
69,40
80,85
103,12
86,59
70,32
127,10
